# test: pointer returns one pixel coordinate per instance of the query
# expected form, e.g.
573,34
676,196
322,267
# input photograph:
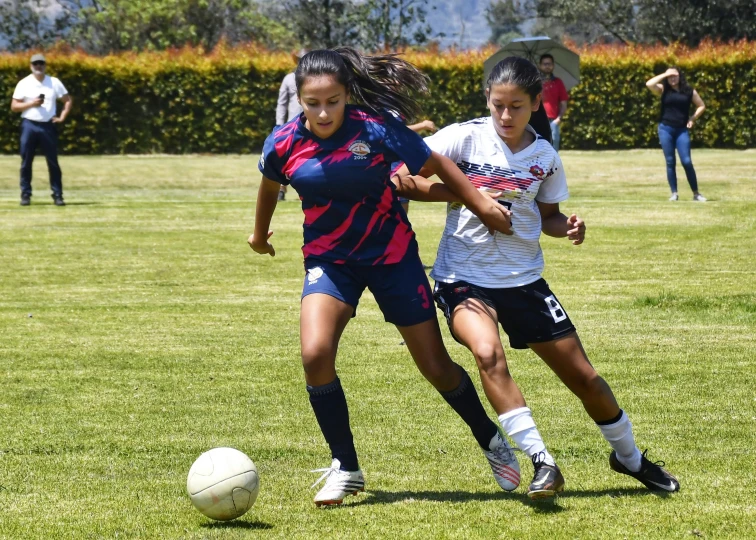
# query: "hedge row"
182,101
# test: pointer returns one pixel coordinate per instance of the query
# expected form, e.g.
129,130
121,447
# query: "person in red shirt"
554,97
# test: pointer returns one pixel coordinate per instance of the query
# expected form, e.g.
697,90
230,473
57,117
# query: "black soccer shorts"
528,314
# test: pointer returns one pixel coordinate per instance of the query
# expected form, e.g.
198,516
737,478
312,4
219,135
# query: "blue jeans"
44,134
671,138
555,136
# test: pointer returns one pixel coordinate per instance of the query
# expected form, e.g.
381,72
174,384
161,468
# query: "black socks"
464,400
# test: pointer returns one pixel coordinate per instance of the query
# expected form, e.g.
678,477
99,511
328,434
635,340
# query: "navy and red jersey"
350,206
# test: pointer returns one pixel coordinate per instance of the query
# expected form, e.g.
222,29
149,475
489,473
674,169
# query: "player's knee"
440,371
489,357
316,356
590,385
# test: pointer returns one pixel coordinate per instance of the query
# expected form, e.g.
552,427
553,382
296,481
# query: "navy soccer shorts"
528,314
401,290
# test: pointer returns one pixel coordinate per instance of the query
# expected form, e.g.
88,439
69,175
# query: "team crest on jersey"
536,171
314,274
360,149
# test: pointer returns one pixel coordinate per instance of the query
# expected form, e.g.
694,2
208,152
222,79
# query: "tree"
504,17
324,23
589,20
648,21
690,21
394,24
27,24
102,26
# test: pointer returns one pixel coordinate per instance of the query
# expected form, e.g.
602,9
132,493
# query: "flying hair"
525,75
384,83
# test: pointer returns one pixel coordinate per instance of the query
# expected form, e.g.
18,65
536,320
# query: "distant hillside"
463,22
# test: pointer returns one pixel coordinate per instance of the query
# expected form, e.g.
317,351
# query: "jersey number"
557,312
505,204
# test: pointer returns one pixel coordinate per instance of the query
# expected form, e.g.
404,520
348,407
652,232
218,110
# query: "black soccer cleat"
651,475
59,201
547,479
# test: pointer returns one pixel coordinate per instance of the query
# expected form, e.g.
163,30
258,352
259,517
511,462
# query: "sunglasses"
38,63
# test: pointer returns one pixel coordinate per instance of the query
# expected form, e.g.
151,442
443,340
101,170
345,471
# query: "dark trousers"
672,138
40,134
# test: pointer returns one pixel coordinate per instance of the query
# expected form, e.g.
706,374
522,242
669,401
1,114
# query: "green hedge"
184,102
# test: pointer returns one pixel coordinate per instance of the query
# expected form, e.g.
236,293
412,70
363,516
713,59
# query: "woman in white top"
483,279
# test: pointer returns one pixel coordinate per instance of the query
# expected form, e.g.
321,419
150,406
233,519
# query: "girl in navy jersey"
485,280
337,156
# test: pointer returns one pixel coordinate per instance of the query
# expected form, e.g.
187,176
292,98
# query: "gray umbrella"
566,62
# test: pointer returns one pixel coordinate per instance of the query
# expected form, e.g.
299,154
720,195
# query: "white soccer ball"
223,483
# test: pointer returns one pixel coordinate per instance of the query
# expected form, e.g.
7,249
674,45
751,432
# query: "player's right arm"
19,105
419,188
267,197
655,83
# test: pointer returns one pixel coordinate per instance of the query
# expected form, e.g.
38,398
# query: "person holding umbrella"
554,97
559,68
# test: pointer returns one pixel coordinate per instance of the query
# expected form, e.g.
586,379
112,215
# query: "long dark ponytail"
383,83
523,74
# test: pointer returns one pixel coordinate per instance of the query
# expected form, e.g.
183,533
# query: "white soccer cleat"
338,484
506,469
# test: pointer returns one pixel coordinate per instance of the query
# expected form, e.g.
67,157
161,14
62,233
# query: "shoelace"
657,463
327,471
504,452
538,460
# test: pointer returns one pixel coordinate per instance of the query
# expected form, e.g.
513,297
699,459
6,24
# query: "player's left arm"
67,104
700,107
555,223
425,125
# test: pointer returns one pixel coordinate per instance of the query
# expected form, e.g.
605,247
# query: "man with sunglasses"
35,97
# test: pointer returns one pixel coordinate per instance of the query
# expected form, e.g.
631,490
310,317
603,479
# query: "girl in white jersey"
484,280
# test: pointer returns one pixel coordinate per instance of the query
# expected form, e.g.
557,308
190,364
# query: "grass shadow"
81,203
238,524
538,505
614,493
393,497
46,204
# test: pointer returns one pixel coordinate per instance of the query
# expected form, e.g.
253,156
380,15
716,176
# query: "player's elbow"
435,163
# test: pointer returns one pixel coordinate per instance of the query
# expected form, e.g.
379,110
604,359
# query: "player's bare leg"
322,321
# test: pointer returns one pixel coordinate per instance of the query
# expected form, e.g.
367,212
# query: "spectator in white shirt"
35,97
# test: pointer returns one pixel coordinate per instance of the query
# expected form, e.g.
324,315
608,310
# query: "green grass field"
137,330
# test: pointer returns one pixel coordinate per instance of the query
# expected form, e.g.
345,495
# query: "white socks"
620,436
519,425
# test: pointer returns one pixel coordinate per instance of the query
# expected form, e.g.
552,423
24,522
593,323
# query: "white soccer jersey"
468,252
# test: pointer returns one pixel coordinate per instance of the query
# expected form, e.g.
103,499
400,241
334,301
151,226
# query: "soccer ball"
223,483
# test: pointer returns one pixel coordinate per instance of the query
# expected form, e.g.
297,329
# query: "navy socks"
465,401
329,404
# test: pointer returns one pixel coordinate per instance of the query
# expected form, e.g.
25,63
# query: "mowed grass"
137,330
